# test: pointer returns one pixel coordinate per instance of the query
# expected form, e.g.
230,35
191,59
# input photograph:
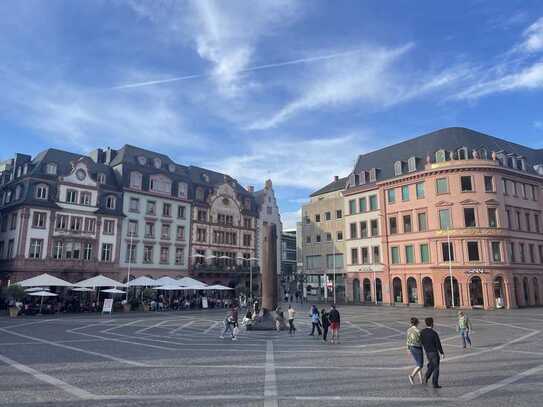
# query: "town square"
271,203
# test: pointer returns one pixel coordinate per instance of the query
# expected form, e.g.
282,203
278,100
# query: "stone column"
269,267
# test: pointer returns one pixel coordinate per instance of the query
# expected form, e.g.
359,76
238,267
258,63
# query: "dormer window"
412,164
182,190
157,163
373,175
18,192
161,184
205,177
51,169
135,179
440,156
19,171
111,202
502,159
25,169
483,154
199,194
101,178
522,164
462,153
8,196
362,178
142,160
42,191
398,168
171,168
538,168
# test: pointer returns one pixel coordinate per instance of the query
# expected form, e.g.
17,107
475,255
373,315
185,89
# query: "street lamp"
130,253
250,260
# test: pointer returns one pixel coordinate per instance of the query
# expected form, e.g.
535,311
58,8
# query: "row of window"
364,205
223,237
365,255
71,223
148,254
149,232
328,236
10,221
327,216
203,216
67,250
518,252
76,197
363,231
151,208
315,262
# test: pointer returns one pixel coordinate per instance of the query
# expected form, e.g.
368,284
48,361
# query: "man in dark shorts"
334,319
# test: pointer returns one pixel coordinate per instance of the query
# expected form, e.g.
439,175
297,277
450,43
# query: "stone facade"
323,244
114,211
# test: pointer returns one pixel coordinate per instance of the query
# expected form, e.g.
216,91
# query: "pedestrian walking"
315,321
325,324
335,320
434,351
291,314
414,346
228,325
464,328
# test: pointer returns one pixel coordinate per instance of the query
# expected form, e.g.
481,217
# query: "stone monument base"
268,322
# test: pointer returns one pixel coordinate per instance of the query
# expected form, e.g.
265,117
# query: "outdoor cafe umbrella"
143,281
82,289
189,281
114,291
42,294
44,280
34,289
218,287
98,282
166,281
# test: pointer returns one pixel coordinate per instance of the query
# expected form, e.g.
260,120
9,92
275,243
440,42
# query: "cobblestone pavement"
178,359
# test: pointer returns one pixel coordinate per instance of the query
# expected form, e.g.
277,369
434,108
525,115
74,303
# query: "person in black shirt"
334,318
432,347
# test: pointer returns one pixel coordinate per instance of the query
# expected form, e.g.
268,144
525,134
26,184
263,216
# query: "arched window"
8,196
398,168
462,153
51,169
483,154
111,202
101,178
161,184
135,180
440,156
42,191
157,162
412,164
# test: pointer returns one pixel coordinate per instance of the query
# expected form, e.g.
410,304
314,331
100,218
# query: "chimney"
336,177
109,155
251,188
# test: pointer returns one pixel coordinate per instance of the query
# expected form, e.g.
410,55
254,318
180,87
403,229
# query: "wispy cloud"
225,34
78,116
289,219
533,37
296,163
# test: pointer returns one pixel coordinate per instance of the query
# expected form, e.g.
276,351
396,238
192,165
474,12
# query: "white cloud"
533,37
538,124
74,115
289,219
530,77
224,33
295,163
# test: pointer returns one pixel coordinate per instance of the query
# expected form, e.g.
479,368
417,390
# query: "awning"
44,280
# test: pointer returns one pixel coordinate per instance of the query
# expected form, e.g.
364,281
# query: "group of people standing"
322,322
428,340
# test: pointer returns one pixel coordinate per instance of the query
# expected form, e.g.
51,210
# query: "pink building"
453,206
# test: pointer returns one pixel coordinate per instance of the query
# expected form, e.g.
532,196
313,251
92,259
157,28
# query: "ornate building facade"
457,216
61,214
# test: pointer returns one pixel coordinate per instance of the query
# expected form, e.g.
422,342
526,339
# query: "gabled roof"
215,178
331,187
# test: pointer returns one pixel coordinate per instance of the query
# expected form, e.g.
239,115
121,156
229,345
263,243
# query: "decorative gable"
469,202
443,203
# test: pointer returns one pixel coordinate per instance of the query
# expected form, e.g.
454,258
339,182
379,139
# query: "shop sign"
476,271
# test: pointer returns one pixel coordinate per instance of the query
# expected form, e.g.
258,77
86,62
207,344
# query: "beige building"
363,245
323,244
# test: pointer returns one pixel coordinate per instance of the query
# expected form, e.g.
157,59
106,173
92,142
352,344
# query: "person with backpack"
464,327
335,320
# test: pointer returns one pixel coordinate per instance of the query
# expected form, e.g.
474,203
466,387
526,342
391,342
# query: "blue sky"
287,90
